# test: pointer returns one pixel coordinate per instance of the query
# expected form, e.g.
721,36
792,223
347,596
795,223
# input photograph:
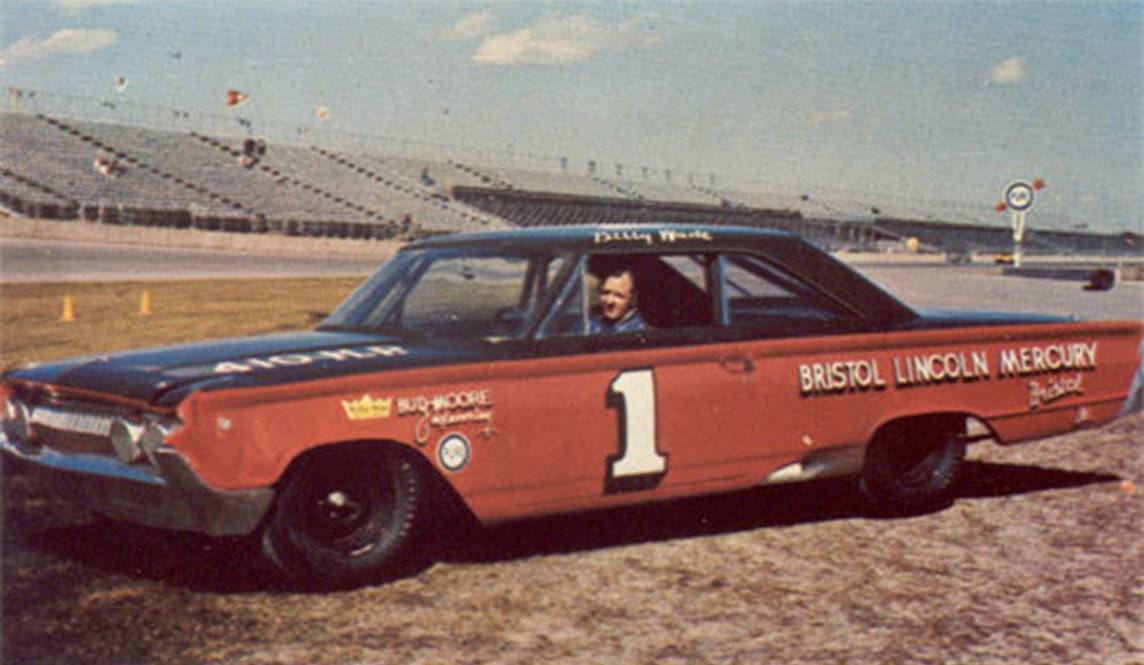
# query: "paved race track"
939,286
55,261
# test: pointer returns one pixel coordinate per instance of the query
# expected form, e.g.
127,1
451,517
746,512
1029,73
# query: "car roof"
786,250
615,237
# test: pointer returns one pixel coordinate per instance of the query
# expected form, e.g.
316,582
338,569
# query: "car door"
596,420
799,338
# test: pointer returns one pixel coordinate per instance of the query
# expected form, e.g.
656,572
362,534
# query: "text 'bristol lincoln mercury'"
859,375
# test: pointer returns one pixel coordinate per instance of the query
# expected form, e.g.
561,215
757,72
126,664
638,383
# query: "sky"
938,105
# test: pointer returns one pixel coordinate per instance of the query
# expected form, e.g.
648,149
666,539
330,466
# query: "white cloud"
77,6
1008,71
555,40
60,42
472,26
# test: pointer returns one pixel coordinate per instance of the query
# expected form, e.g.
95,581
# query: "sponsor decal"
940,368
650,236
454,451
368,408
299,359
1051,358
445,410
859,375
841,376
1053,389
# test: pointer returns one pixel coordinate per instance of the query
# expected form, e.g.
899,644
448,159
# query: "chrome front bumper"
168,495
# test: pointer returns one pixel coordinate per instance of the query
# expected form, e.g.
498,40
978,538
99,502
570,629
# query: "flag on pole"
236,98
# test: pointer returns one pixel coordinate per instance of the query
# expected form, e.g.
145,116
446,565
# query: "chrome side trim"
826,463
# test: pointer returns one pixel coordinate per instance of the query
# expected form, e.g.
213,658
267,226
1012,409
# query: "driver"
618,304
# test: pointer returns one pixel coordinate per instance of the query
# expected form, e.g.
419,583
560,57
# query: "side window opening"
672,291
676,293
759,294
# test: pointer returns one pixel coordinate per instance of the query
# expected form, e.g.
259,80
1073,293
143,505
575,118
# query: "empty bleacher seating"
64,168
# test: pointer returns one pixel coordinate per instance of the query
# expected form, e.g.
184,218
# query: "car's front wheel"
346,517
912,465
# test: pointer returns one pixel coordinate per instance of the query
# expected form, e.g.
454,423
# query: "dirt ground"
1038,561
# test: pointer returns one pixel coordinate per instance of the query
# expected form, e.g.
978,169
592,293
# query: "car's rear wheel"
345,518
912,465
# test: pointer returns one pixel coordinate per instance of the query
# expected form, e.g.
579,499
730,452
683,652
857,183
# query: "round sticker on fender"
453,452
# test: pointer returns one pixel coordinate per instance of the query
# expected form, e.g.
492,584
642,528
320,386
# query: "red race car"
552,370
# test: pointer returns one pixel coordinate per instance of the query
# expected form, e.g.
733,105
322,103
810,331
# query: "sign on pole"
1019,196
1018,199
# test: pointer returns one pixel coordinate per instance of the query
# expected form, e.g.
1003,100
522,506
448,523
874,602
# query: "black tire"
346,518
912,465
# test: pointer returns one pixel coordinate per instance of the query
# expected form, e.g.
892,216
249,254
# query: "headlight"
125,440
132,441
155,432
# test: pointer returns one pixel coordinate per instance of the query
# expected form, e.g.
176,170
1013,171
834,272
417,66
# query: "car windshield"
465,293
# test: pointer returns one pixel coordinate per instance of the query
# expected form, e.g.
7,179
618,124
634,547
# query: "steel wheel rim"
345,515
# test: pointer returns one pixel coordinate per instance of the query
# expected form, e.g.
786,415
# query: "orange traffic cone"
68,315
145,303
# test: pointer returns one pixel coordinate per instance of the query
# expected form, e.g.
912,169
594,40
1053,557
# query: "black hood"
165,374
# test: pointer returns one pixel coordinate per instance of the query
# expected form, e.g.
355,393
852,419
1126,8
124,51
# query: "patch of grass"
107,315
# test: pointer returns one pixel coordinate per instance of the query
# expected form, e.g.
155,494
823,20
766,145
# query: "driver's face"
616,296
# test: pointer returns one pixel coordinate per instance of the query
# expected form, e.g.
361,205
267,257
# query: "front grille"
65,441
72,427
77,422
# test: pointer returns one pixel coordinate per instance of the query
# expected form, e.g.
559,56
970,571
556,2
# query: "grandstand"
50,169
58,167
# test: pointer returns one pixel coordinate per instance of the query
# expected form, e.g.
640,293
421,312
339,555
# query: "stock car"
467,363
